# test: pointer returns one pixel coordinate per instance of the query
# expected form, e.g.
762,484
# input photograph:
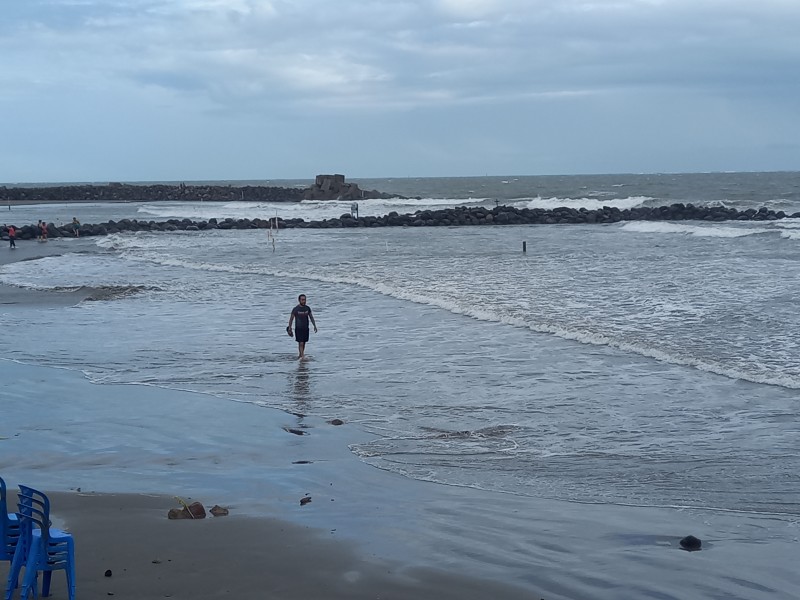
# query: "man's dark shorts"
301,335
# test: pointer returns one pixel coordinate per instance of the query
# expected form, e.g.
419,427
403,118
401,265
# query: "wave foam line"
518,491
711,231
581,336
588,203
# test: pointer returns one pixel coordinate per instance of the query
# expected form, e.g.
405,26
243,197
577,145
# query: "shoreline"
11,295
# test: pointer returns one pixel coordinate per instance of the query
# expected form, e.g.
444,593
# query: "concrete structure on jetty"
333,187
500,215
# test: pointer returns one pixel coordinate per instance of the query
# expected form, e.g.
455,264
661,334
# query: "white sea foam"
306,209
490,314
452,296
721,231
588,203
787,223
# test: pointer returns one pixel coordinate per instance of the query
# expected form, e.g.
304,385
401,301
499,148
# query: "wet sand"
149,556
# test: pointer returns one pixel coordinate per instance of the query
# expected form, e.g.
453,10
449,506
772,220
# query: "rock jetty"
124,192
451,217
325,187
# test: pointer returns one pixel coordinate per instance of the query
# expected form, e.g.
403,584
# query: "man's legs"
301,347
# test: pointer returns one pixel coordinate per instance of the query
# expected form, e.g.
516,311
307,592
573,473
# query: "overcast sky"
144,90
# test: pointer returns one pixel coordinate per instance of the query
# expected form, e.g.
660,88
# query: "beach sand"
150,556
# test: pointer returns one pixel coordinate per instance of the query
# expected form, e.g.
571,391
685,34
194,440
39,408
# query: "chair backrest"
9,530
3,503
34,509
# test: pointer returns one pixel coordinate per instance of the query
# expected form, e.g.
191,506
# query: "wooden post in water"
524,246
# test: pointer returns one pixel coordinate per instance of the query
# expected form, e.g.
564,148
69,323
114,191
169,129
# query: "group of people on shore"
41,228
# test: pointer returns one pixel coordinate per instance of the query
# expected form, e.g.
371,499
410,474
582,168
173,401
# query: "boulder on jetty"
334,187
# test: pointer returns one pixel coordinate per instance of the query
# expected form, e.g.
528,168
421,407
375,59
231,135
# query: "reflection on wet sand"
301,386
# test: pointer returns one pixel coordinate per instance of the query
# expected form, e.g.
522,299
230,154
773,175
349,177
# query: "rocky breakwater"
121,192
460,216
506,215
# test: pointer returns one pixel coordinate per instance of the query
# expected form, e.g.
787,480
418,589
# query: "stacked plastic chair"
9,527
39,548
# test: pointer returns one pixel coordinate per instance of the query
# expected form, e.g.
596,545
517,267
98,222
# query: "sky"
173,90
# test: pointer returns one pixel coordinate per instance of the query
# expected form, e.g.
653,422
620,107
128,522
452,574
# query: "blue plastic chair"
40,548
9,527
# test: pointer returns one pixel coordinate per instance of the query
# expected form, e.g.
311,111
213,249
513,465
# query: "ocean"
645,364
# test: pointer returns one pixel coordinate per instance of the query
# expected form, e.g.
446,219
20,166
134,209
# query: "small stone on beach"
294,431
691,543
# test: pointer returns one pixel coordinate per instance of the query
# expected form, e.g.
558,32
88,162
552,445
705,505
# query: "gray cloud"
444,63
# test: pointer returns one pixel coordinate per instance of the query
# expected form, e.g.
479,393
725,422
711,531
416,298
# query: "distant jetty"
325,187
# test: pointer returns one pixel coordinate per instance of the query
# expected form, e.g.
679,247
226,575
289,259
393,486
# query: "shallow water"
649,365
608,364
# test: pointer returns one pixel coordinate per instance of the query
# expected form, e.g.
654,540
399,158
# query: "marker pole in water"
524,246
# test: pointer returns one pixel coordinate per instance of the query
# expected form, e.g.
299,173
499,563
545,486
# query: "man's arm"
291,319
313,322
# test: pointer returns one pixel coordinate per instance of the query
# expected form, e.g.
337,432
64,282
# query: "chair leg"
71,569
16,567
46,577
29,582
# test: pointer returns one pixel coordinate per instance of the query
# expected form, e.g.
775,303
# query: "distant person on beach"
76,227
39,230
12,236
301,312
44,231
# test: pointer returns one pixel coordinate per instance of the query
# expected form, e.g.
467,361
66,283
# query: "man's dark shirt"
301,314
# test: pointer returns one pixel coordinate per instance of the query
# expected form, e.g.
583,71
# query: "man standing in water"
301,312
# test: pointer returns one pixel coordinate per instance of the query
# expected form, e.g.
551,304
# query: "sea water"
645,364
